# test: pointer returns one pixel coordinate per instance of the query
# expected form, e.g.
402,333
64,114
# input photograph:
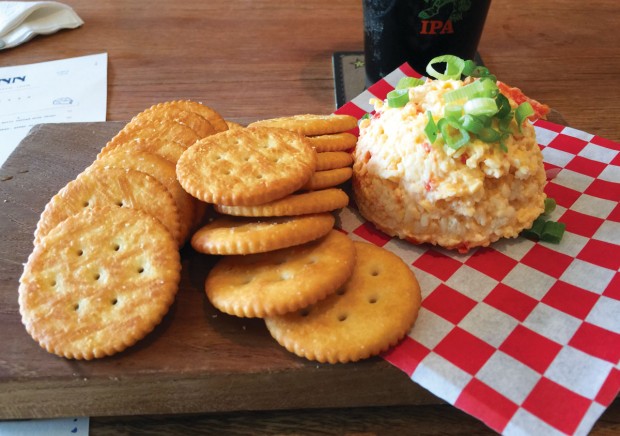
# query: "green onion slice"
481,106
409,82
536,230
549,206
503,106
488,134
453,111
471,123
523,111
553,232
453,133
431,128
454,67
398,97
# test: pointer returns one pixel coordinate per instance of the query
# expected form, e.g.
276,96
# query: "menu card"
523,335
62,91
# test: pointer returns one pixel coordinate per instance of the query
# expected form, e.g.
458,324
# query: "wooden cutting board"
197,360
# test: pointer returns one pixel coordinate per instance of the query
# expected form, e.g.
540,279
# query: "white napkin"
20,21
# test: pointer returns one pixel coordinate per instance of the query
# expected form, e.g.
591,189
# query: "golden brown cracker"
323,200
331,160
229,235
164,172
173,110
274,283
99,282
334,142
246,166
101,187
204,111
311,124
328,178
233,125
169,150
372,312
167,130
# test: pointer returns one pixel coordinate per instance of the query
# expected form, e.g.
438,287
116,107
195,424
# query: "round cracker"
334,142
204,111
169,150
101,187
311,124
324,200
174,111
328,178
167,130
331,160
99,282
374,310
274,283
164,172
229,235
246,166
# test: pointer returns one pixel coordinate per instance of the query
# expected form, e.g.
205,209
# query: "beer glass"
416,31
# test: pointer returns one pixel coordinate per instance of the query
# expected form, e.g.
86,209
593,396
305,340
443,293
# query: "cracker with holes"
311,124
328,178
374,310
111,186
99,282
232,235
210,114
163,171
335,142
242,167
168,130
325,200
169,150
274,283
175,111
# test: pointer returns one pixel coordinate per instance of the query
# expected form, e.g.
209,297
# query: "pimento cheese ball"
430,192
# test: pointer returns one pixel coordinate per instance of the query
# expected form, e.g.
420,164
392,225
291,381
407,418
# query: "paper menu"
67,90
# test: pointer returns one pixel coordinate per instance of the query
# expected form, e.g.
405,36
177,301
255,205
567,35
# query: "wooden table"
251,60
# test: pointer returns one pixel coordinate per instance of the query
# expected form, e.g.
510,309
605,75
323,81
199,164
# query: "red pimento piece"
426,146
540,110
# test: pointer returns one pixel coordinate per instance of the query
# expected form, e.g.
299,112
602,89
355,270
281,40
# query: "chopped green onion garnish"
523,111
504,124
488,134
480,106
409,82
478,88
398,97
431,128
453,111
453,133
503,106
454,67
472,124
469,67
549,206
365,116
553,232
502,142
536,230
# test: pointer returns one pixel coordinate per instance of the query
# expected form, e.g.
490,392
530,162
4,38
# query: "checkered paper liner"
524,336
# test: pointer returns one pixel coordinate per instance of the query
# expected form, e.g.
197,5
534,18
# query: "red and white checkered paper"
524,336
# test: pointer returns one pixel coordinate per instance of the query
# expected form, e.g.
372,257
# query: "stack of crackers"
106,265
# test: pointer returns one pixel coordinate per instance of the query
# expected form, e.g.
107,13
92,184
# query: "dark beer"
416,31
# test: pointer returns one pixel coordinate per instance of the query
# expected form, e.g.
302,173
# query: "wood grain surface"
253,59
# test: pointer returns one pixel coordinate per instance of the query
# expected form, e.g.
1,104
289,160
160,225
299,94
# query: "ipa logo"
434,27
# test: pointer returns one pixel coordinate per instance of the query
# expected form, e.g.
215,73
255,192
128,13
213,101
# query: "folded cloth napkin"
20,21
